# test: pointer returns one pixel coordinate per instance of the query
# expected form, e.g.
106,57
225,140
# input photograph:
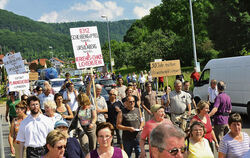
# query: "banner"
33,76
14,64
19,82
165,68
86,46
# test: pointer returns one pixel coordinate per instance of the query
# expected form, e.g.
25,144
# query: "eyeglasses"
61,147
175,151
105,137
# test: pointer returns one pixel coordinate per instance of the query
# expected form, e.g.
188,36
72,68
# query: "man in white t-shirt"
70,96
212,93
33,130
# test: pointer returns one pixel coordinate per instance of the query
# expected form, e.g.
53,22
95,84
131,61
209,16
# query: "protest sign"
33,76
165,68
86,46
14,64
18,82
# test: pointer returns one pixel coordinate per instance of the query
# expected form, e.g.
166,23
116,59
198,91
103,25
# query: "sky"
79,10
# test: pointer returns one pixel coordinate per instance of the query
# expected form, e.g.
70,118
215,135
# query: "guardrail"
1,138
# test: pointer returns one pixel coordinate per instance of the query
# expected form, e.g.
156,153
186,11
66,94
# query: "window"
204,79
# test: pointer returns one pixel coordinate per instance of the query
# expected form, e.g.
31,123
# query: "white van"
235,72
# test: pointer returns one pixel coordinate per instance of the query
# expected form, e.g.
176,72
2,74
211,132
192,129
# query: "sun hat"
156,107
61,123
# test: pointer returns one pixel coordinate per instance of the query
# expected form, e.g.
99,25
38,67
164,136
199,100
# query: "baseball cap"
61,123
156,107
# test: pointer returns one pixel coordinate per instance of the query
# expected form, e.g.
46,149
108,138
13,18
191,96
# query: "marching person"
33,130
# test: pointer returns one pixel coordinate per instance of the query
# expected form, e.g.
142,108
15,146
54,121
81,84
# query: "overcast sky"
79,10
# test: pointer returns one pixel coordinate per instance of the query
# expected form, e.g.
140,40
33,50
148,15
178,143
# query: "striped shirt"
233,148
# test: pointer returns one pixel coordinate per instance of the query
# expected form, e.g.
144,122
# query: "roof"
59,60
1,56
41,61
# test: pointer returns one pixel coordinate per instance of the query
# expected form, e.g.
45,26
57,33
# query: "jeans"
129,145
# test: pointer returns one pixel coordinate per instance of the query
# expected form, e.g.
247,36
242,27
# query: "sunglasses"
61,147
175,151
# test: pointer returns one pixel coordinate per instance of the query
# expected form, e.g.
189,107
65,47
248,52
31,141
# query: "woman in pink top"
202,116
158,118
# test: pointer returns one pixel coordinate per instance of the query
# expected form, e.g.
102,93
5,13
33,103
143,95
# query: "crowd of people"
49,125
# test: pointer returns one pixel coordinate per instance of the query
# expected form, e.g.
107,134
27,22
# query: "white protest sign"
14,64
86,46
18,82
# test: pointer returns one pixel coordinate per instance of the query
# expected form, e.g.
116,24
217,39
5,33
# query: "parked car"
56,84
104,93
108,84
77,80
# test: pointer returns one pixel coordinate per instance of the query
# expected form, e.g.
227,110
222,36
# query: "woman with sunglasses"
20,111
104,133
56,144
197,145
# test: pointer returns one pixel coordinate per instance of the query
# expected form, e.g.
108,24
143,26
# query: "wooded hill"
33,38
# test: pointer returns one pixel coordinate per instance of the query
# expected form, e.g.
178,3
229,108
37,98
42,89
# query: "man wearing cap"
158,118
33,130
73,148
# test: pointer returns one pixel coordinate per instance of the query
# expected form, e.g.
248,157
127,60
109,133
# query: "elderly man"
33,130
102,107
148,99
222,109
167,141
179,101
130,122
45,96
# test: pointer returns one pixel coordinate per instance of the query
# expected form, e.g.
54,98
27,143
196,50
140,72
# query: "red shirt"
161,79
208,127
195,76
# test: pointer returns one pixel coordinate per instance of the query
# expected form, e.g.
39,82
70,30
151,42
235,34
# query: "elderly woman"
197,145
73,148
235,143
50,111
158,118
202,116
104,133
86,115
63,109
20,111
56,144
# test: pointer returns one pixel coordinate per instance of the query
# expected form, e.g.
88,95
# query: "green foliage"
33,38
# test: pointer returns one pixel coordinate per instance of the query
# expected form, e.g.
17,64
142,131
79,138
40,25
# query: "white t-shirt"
33,131
55,118
179,101
212,93
73,100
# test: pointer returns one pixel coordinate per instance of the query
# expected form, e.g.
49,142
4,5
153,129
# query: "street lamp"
51,50
193,36
106,17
